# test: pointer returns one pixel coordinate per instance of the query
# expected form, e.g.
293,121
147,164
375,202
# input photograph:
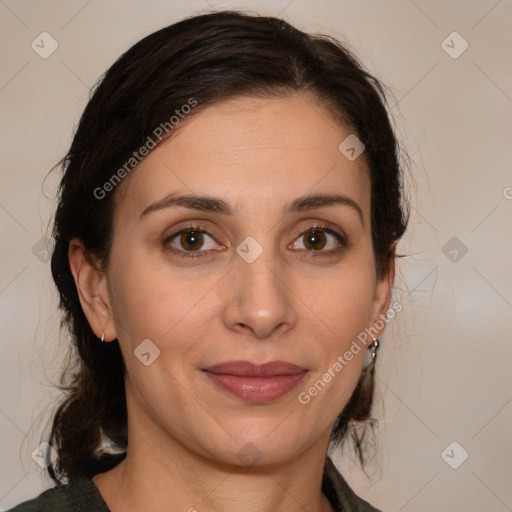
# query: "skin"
185,432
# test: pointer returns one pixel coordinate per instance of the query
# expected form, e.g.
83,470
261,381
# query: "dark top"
81,494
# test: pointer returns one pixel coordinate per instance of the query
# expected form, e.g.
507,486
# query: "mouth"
256,383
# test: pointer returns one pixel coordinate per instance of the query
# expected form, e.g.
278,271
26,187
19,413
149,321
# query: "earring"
371,355
103,337
373,348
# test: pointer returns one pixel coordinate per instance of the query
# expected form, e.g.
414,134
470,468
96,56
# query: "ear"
91,284
383,295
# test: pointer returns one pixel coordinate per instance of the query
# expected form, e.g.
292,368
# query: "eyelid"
321,226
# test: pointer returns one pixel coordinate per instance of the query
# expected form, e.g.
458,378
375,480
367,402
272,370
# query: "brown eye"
320,239
191,240
315,239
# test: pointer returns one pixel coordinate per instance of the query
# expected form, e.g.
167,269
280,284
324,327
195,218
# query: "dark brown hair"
208,57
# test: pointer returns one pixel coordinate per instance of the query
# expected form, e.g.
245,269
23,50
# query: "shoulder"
80,494
341,496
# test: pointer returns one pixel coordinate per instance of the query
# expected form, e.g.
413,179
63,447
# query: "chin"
253,450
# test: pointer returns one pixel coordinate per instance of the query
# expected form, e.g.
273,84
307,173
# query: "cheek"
150,302
346,299
344,309
144,296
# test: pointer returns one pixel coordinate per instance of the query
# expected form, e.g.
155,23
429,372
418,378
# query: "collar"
339,493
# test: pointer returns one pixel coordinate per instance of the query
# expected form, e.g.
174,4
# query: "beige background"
445,364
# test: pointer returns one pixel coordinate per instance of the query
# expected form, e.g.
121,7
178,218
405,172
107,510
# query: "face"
263,282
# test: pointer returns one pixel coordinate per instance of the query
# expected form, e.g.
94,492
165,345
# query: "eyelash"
329,228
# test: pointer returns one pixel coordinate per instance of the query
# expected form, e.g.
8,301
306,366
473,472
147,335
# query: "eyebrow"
216,205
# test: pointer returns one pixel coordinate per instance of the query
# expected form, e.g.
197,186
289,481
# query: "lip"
256,383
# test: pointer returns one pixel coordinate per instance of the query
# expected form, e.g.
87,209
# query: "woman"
224,251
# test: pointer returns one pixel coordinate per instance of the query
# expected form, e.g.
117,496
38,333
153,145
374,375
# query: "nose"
259,298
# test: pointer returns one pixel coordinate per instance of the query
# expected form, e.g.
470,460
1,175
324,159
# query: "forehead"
251,151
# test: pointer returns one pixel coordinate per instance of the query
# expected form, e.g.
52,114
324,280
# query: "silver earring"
370,357
373,348
103,337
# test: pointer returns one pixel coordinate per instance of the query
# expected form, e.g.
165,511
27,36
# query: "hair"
207,57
